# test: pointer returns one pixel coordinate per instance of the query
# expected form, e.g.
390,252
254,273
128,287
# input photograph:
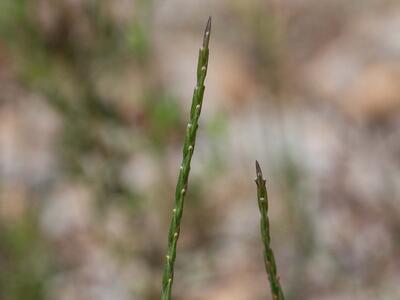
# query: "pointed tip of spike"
260,181
258,169
207,32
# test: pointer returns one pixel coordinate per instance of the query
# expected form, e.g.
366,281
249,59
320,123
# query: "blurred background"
94,100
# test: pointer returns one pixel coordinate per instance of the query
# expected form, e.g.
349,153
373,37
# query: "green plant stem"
188,148
269,259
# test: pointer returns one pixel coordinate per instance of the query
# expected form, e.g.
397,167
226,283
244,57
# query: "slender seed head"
181,186
269,258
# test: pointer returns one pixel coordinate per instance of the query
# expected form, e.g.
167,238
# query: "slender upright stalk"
269,259
188,148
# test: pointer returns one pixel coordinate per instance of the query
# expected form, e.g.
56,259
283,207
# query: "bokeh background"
94,98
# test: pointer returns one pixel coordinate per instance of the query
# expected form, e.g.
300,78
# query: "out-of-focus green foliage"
25,261
63,62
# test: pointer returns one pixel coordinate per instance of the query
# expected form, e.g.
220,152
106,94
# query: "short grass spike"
269,259
188,148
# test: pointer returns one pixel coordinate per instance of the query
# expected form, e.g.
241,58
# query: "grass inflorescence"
269,258
182,184
188,148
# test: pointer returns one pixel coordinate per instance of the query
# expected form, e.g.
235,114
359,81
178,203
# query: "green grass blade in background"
269,259
188,148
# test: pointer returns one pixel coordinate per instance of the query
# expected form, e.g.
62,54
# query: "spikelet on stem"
269,259
188,148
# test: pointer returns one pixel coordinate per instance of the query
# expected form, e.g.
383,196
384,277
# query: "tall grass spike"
269,258
188,149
